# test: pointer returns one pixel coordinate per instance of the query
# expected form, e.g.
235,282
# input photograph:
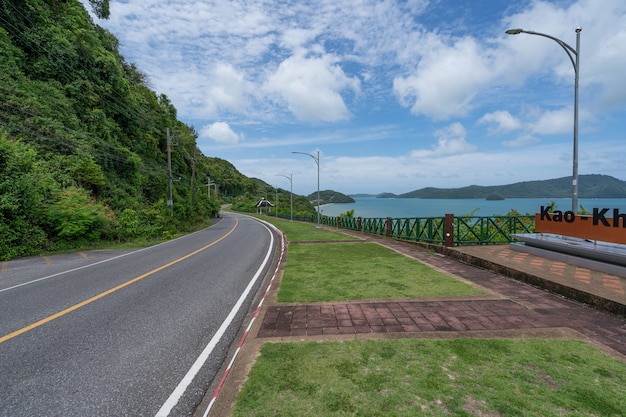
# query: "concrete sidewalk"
511,307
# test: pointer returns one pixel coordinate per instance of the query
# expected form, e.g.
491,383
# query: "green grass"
338,271
300,231
410,377
353,271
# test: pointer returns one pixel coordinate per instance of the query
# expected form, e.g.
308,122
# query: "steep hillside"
84,140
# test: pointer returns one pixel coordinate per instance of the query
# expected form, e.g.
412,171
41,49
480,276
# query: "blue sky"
395,95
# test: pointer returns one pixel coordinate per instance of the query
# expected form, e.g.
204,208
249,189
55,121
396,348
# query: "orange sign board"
597,226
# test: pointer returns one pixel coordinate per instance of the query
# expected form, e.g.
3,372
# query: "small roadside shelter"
263,202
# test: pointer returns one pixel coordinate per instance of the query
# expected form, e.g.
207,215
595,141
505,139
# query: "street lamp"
574,56
317,161
290,193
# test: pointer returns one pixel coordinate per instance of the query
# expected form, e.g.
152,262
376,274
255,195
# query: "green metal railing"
490,230
429,229
466,230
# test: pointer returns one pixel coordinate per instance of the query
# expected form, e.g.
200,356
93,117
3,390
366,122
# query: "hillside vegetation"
83,139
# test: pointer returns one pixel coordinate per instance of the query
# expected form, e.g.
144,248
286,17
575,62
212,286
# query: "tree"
100,8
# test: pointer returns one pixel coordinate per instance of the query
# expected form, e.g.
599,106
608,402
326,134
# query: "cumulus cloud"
554,122
228,87
311,87
447,78
502,120
220,132
450,141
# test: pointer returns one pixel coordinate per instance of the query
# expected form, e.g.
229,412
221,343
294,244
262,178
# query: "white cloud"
602,61
447,78
502,120
228,88
554,122
220,132
375,174
450,141
312,88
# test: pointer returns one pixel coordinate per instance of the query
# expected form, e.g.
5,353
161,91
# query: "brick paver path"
521,307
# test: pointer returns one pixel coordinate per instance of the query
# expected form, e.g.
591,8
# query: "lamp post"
574,56
290,178
317,161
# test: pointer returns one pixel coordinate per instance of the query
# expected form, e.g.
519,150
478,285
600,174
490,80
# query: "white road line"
90,265
178,392
70,270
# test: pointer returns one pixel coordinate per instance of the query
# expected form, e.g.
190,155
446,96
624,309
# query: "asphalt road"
131,332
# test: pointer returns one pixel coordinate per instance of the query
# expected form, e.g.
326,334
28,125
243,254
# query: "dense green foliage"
589,186
83,145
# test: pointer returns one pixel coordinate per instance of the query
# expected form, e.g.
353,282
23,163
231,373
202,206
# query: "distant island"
494,197
589,186
330,197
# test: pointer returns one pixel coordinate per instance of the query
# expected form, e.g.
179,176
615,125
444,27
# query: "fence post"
358,224
448,229
339,221
388,226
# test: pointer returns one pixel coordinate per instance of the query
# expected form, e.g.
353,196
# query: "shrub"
76,216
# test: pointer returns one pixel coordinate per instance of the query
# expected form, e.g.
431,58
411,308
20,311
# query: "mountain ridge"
589,186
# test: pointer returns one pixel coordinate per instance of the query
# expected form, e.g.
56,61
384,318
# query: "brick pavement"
510,306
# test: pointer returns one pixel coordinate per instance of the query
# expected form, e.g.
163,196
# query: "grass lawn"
300,231
354,271
411,377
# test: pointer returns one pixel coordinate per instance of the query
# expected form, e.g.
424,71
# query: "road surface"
130,332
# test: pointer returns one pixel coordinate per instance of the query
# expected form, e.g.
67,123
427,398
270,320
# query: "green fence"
465,230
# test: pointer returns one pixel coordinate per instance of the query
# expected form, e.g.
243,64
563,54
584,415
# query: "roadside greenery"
411,377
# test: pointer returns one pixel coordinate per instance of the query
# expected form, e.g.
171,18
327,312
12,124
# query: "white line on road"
178,392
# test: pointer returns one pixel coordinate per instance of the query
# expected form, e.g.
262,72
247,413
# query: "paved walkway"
510,305
511,308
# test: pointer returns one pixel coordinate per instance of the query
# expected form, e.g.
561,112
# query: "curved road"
127,333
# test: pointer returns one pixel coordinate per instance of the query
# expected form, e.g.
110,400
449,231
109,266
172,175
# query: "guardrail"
448,230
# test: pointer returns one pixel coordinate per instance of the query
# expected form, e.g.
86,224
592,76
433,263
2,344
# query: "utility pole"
193,178
208,187
168,149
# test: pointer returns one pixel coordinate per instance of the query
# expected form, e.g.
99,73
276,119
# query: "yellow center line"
110,291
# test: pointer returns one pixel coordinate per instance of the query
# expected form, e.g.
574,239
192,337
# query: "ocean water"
372,207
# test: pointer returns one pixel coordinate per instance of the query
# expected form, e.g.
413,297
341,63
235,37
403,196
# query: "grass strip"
300,231
407,377
356,271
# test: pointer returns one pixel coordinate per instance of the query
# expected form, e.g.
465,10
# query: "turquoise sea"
372,207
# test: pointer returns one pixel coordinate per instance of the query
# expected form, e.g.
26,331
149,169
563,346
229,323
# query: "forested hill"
83,143
589,186
330,197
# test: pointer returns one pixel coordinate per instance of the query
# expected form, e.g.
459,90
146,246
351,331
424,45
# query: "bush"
76,216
